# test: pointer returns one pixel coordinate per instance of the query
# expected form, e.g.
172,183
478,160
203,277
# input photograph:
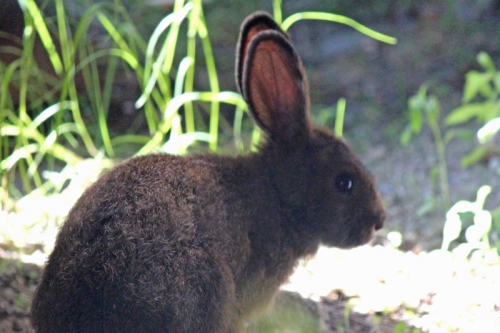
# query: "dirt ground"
368,289
18,282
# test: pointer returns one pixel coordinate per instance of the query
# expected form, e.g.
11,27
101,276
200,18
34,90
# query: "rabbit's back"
151,239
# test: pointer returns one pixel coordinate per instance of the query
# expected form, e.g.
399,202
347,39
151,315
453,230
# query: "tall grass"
59,114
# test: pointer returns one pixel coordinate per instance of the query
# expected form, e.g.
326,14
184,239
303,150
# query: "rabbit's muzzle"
379,221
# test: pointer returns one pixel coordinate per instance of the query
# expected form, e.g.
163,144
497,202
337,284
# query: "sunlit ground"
434,291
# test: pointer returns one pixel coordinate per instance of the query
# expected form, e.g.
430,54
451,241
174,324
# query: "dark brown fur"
202,243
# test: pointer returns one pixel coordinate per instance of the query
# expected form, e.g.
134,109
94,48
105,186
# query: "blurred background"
86,84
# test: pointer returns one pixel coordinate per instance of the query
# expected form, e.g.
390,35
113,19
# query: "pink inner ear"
276,86
251,34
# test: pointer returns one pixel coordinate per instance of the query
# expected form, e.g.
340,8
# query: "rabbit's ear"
254,24
275,87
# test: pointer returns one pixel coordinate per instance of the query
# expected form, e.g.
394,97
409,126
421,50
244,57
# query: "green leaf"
465,113
405,137
482,220
482,193
473,234
400,328
475,156
488,112
416,120
486,90
462,206
475,83
433,109
451,230
464,134
496,81
485,60
489,130
495,111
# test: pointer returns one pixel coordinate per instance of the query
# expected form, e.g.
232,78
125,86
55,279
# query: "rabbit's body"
193,244
202,243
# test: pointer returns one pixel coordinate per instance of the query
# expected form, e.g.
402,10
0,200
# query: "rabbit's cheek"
342,233
358,236
355,230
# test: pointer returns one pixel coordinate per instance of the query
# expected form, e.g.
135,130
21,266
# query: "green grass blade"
238,122
339,119
213,81
24,152
77,116
50,112
24,120
67,46
130,139
184,66
157,71
111,52
164,24
6,80
43,32
179,144
339,19
68,129
228,97
97,100
277,11
113,32
151,67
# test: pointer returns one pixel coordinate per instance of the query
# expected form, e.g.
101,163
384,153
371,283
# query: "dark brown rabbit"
202,243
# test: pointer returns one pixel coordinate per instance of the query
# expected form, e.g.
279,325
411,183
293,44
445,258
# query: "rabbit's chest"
256,292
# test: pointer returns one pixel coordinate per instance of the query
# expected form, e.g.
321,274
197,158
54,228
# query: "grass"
67,135
58,113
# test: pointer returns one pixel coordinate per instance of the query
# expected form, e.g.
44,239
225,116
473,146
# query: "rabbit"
202,243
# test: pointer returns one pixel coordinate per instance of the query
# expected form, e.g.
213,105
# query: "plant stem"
442,166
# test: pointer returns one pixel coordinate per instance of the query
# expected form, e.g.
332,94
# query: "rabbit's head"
327,191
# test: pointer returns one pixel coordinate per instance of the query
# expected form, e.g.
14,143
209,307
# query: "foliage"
402,327
481,101
484,87
50,122
63,132
426,109
476,235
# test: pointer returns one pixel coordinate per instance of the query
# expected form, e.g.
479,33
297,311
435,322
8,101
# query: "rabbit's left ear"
252,25
275,87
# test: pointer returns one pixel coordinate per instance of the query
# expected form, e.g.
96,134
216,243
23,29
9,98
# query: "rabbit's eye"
343,182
